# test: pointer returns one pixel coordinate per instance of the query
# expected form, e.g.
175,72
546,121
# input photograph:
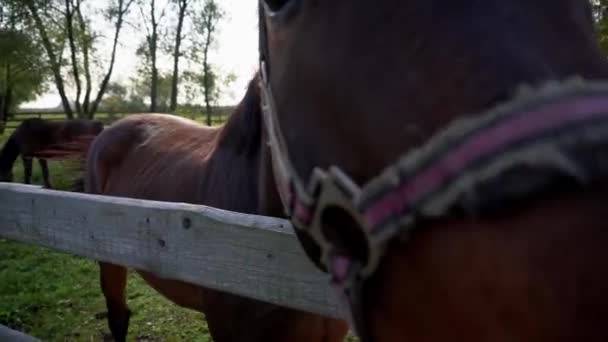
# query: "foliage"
194,84
117,99
21,67
23,74
139,89
61,25
600,15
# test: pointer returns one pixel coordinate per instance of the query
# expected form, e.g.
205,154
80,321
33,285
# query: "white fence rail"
253,256
10,335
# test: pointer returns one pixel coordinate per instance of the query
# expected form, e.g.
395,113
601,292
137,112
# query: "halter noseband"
547,134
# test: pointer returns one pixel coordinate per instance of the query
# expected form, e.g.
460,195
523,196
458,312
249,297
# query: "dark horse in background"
493,230
33,136
168,158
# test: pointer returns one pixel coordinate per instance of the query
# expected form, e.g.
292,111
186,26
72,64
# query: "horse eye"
278,7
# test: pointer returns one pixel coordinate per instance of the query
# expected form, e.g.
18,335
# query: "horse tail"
86,181
75,150
79,151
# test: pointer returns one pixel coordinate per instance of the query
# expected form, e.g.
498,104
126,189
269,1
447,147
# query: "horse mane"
9,152
243,130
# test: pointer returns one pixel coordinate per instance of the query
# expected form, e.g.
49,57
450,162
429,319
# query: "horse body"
166,158
34,136
357,85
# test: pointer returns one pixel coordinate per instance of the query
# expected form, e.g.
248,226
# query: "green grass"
56,297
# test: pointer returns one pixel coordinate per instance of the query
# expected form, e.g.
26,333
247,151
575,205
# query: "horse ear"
311,249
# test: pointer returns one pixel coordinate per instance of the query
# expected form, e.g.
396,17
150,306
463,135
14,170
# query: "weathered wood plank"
253,256
9,335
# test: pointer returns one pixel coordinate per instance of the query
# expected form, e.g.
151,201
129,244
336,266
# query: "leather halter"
548,133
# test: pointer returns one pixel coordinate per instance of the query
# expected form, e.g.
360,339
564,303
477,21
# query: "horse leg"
113,280
45,173
27,169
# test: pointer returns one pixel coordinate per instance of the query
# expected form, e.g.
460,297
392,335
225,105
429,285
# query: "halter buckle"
336,197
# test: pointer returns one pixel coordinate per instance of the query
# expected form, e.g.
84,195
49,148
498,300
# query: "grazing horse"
168,158
33,136
445,161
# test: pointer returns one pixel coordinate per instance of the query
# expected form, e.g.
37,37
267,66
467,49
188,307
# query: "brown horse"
167,158
35,135
492,230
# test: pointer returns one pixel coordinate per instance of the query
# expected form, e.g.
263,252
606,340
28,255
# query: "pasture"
56,297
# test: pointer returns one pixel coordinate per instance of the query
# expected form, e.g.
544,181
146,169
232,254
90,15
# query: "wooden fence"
248,255
10,335
219,115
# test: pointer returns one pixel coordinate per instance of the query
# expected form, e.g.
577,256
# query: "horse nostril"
346,236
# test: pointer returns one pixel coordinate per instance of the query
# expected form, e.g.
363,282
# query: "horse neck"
9,153
231,174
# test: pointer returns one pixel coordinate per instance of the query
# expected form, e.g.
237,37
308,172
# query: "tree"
37,10
216,83
60,21
139,88
152,19
23,74
206,25
182,6
81,40
118,99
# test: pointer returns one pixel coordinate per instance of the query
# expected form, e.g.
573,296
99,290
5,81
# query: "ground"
56,297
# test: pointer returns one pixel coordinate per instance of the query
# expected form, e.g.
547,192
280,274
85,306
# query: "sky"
236,51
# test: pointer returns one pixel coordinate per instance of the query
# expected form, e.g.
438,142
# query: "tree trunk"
54,63
3,114
4,98
154,81
152,43
86,63
207,89
183,4
207,77
122,11
6,107
69,24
